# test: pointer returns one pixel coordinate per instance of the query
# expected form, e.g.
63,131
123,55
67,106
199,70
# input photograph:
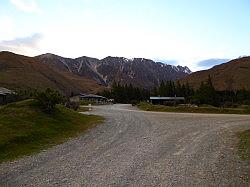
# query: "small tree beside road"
48,99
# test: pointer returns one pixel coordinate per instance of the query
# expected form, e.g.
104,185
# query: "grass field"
25,129
185,109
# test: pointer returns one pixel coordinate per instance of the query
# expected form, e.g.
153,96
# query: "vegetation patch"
26,129
86,103
83,109
244,145
186,109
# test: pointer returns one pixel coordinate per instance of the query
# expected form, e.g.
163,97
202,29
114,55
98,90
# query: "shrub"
47,100
73,105
134,102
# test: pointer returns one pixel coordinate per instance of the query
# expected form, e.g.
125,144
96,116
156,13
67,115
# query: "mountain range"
90,75
83,74
137,71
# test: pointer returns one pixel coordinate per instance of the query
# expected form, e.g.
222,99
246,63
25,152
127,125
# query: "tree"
126,93
169,89
47,100
178,90
162,89
155,92
207,93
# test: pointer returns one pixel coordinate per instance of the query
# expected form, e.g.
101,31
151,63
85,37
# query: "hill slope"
17,71
232,75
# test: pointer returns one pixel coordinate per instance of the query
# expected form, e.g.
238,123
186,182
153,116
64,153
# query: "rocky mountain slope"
232,75
138,71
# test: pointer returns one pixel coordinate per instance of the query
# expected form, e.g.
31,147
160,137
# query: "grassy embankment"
185,109
25,129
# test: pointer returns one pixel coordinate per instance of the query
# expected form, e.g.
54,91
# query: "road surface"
136,148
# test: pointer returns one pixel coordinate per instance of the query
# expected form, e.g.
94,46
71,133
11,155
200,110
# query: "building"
4,94
93,98
166,100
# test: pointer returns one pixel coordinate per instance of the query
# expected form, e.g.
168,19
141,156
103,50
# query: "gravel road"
136,148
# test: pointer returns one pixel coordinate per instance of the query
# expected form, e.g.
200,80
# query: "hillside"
232,75
17,71
30,130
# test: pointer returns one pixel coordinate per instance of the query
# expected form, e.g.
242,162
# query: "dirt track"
137,148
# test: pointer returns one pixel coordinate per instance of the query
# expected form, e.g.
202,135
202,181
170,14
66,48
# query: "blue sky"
181,31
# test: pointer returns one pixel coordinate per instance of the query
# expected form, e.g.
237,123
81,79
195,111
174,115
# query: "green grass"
25,129
83,102
185,109
83,109
244,145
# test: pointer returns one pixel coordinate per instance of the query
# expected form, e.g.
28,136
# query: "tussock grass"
25,129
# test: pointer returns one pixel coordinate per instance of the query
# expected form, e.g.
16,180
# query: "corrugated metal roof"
1,93
92,96
167,98
5,91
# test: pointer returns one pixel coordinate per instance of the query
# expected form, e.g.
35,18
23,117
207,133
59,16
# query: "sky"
182,32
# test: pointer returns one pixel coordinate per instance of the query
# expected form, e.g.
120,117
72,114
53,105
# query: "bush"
170,103
73,105
246,102
134,102
47,100
84,102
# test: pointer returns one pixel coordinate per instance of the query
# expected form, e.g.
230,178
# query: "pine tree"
207,93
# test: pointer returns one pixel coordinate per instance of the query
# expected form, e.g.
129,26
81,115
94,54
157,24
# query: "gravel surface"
137,148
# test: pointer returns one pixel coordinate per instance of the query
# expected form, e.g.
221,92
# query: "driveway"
137,148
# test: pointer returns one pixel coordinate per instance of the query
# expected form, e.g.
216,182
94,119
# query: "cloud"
26,45
205,64
29,6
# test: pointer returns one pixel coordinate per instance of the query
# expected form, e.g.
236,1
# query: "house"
165,100
93,98
4,93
